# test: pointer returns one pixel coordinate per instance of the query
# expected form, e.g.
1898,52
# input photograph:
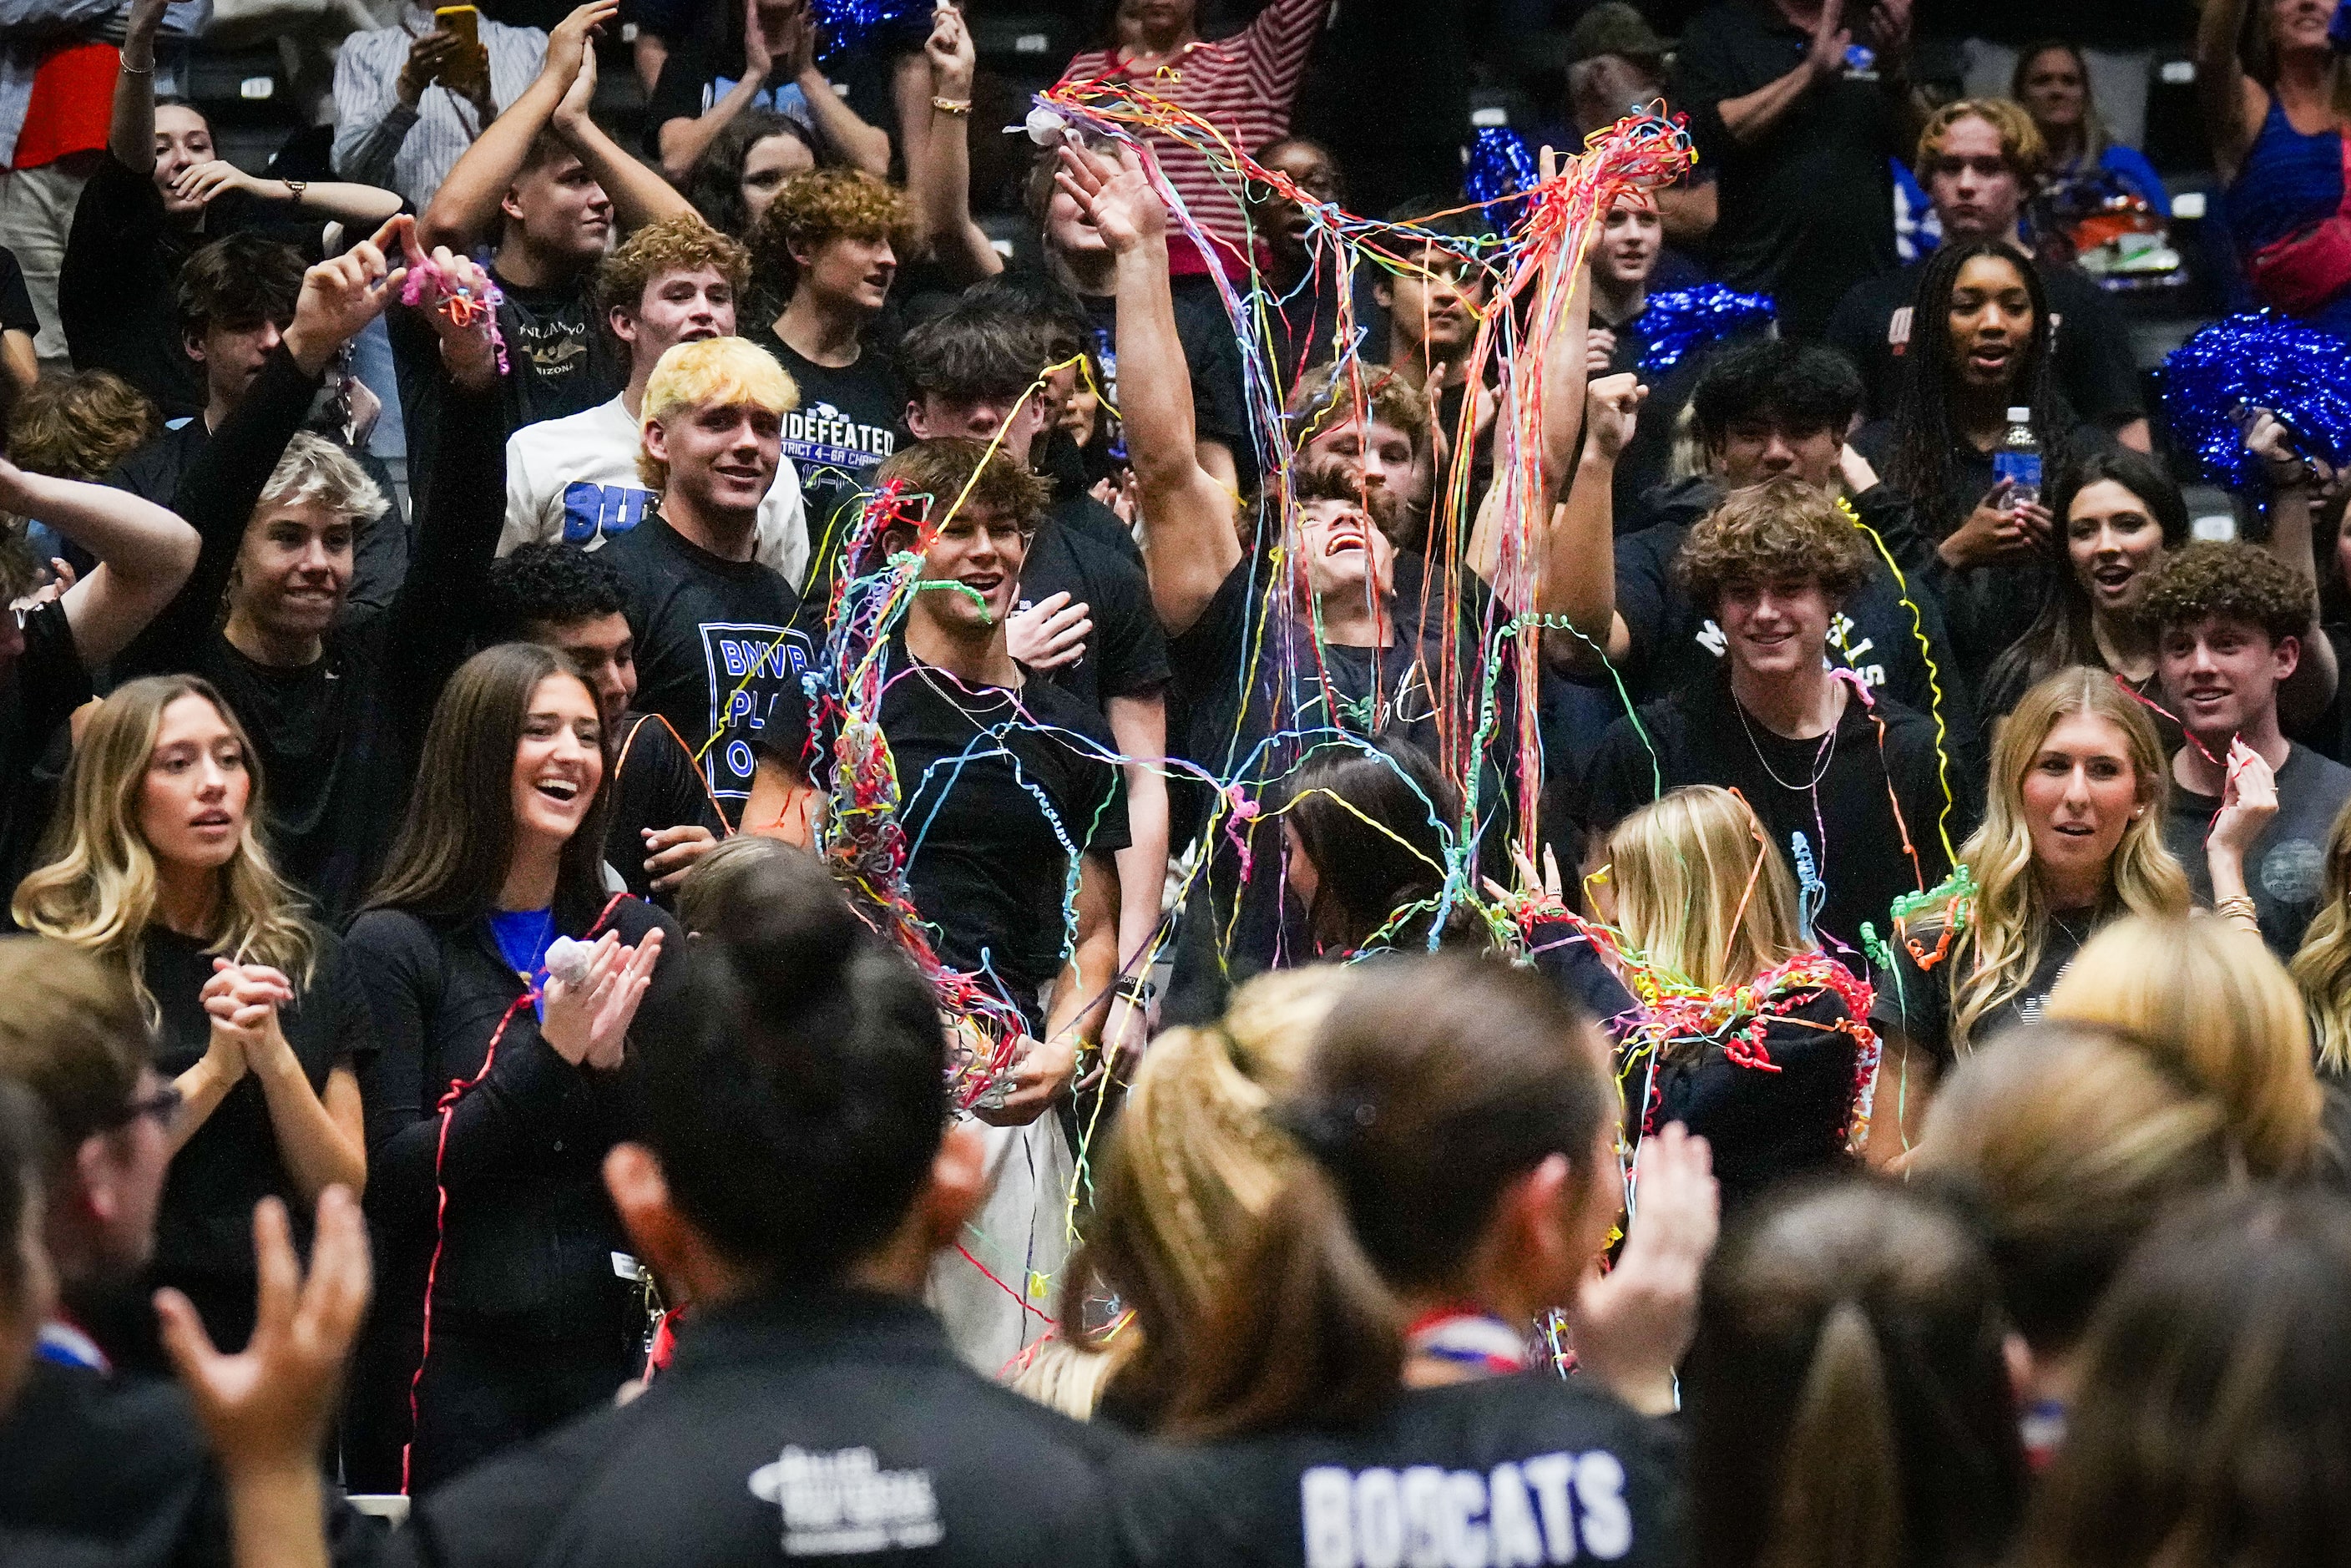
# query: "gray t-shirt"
2288,861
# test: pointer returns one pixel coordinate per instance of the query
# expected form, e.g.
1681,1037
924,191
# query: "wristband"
294,189
1138,989
952,105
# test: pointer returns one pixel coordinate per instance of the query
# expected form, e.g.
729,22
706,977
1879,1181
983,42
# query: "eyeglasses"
163,1105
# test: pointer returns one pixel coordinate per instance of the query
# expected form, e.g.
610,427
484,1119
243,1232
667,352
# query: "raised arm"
131,134
1750,117
1576,554
339,199
864,146
2293,489
938,155
684,139
465,209
2232,103
639,196
1189,547
144,555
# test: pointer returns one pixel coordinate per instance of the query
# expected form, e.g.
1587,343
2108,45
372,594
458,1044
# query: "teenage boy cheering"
2234,620
1857,775
675,280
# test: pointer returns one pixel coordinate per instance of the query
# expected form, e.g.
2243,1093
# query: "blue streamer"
2260,359
1500,166
1813,893
848,27
1683,321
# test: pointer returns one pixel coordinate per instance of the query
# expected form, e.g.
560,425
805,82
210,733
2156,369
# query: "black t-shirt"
1916,1003
1522,1469
654,783
2095,373
1986,607
1807,208
1126,656
1702,735
998,789
1875,634
846,422
715,647
203,1230
117,285
38,694
1212,356
820,1425
561,360
705,68
2286,867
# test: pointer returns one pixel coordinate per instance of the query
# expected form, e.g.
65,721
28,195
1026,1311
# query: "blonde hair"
716,372
1191,1166
2211,1004
2069,1141
2021,146
1701,890
1994,957
97,888
314,470
2322,965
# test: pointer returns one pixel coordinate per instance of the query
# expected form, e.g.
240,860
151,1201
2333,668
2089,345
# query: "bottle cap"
2020,416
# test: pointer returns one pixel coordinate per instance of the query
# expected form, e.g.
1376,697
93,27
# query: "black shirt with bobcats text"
715,647
1522,1469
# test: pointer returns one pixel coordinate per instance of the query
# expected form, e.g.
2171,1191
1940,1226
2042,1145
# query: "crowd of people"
703,866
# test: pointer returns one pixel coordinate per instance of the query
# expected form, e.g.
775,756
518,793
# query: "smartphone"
464,21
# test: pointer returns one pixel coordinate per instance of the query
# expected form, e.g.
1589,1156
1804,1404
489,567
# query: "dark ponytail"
1846,1396
1415,1119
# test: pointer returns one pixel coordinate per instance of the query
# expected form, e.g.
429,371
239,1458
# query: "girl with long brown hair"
1460,1179
157,863
496,1087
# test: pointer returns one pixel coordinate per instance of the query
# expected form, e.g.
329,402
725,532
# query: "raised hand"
342,295
577,97
587,1025
266,1408
2248,802
1831,38
456,302
756,55
1631,1325
146,18
1049,634
1114,194
953,59
1612,412
566,41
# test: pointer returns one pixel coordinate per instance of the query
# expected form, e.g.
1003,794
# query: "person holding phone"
411,98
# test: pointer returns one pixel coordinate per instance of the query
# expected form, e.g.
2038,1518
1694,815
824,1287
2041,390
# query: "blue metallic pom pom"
2338,31
2261,360
1684,320
1500,166
846,26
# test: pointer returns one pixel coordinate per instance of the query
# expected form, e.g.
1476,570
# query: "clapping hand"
588,1024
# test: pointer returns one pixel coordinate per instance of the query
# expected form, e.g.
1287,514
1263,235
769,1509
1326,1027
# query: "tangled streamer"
1683,321
2260,359
428,285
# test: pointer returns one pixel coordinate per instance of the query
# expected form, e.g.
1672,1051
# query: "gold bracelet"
146,70
2240,909
952,105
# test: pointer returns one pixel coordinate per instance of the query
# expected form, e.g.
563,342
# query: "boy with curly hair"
675,280
1816,754
831,238
2232,622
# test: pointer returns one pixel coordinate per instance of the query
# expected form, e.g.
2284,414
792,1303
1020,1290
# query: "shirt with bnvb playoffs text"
715,647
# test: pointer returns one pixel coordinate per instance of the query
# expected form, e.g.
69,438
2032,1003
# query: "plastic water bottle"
2018,459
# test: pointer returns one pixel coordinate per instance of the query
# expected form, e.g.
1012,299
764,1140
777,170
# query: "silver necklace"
1821,759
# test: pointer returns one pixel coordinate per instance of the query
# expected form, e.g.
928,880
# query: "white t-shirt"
576,479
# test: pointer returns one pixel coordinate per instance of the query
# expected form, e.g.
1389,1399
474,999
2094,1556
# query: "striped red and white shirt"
1245,86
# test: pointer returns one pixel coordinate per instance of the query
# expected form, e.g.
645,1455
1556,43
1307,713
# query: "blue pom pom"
1682,321
2338,31
845,27
1500,166
2261,361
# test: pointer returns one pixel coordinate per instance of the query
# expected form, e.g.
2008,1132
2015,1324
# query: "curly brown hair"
1321,400
941,467
1781,528
826,204
2231,581
680,244
78,426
